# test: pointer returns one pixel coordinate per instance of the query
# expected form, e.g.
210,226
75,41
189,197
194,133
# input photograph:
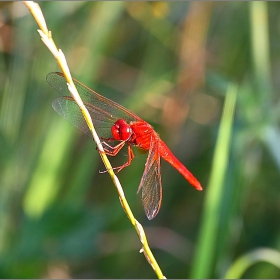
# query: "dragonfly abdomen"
168,156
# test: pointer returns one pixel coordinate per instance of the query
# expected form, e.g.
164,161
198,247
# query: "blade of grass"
261,59
260,47
43,186
99,25
205,253
239,267
12,98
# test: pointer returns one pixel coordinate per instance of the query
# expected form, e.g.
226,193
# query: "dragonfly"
116,124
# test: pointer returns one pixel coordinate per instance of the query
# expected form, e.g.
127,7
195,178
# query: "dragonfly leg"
129,160
112,151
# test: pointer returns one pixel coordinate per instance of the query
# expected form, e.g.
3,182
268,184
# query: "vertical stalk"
206,247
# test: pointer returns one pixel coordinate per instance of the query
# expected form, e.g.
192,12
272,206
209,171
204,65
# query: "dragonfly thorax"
121,130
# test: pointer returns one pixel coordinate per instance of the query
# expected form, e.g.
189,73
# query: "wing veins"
151,181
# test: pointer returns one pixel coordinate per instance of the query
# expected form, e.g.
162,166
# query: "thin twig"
46,37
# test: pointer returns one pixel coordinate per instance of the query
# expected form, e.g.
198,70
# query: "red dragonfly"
116,123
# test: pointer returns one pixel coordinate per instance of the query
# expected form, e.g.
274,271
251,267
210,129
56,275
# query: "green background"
206,76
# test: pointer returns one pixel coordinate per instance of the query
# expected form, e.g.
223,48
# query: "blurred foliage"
172,63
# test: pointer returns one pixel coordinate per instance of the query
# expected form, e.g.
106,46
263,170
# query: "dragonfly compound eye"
121,130
125,132
115,129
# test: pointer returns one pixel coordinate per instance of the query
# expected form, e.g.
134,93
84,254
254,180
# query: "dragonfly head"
121,130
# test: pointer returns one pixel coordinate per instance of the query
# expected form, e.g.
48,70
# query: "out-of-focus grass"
242,264
171,64
207,242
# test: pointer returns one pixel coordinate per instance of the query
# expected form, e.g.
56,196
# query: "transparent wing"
104,112
151,182
69,110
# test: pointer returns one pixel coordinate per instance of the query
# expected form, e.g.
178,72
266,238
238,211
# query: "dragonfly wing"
103,111
68,109
151,182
